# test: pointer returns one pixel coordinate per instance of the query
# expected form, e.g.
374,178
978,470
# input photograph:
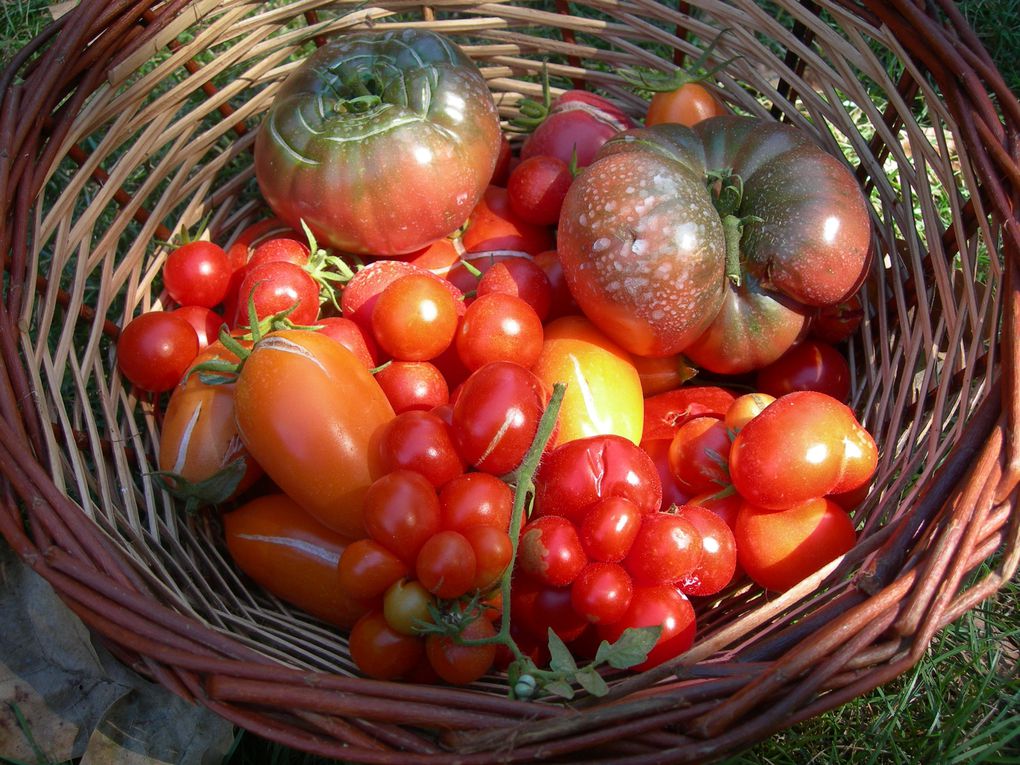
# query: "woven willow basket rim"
125,123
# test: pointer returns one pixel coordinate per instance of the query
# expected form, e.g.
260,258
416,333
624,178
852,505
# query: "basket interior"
166,141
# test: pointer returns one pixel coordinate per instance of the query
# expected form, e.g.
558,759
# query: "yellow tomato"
603,390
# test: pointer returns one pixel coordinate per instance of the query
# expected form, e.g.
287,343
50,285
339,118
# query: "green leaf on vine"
631,649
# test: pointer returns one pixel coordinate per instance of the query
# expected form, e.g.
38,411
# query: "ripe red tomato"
275,287
644,244
574,476
460,664
744,409
662,606
475,499
367,569
808,365
155,349
499,327
352,337
537,188
698,455
666,412
667,548
422,442
496,414
415,318
413,385
429,125
380,651
493,553
578,122
493,225
279,248
779,549
795,450
561,302
673,493
835,323
293,556
309,412
603,394
197,273
609,528
521,277
207,323
718,562
601,593
446,564
550,551
401,512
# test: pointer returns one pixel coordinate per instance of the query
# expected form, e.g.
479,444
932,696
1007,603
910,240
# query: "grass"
960,704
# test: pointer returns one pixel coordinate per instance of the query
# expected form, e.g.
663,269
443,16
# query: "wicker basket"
126,122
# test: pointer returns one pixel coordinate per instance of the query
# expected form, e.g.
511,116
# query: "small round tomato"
292,555
673,492
550,550
808,365
521,277
537,187
744,409
499,327
382,652
155,349
275,287
666,412
207,322
420,441
406,606
493,225
835,323
493,553
401,512
795,450
860,459
475,499
352,337
698,455
688,104
578,122
415,318
413,385
779,549
279,248
460,664
561,300
661,606
496,414
601,593
603,393
197,273
667,548
539,608
609,529
718,562
574,476
446,565
366,569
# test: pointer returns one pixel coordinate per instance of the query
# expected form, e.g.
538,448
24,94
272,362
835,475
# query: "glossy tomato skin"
688,105
311,413
280,546
574,476
603,394
644,209
403,182
809,365
199,437
779,549
155,349
657,605
578,121
666,412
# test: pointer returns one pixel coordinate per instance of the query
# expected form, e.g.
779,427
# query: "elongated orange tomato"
310,413
603,394
292,555
200,450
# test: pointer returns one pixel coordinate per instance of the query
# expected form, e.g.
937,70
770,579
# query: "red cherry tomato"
197,273
537,188
673,493
420,441
352,337
367,569
809,365
601,593
550,551
660,606
744,409
446,564
475,499
779,549
578,123
155,349
493,225
698,455
401,512
413,385
415,318
667,548
493,553
460,664
380,651
718,561
609,529
521,277
275,287
499,327
207,323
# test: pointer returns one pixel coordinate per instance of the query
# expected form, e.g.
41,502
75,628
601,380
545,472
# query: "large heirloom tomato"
381,143
311,414
737,226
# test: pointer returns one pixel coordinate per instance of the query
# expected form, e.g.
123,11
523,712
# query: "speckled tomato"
669,221
382,143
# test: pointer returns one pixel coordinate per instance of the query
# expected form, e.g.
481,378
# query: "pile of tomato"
462,448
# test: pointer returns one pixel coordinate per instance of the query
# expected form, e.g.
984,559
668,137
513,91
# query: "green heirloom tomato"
381,143
716,240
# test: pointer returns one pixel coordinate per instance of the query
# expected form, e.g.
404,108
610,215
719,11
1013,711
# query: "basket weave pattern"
127,122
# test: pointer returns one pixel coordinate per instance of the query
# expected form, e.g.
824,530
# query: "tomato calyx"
665,82
327,270
214,490
727,189
533,113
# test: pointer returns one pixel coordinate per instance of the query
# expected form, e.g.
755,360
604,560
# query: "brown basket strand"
124,123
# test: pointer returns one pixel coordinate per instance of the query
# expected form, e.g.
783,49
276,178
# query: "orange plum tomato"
603,389
293,556
311,413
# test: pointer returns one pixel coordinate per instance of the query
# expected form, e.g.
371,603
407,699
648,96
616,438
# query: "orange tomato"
311,414
603,390
199,442
293,556
659,374
687,105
